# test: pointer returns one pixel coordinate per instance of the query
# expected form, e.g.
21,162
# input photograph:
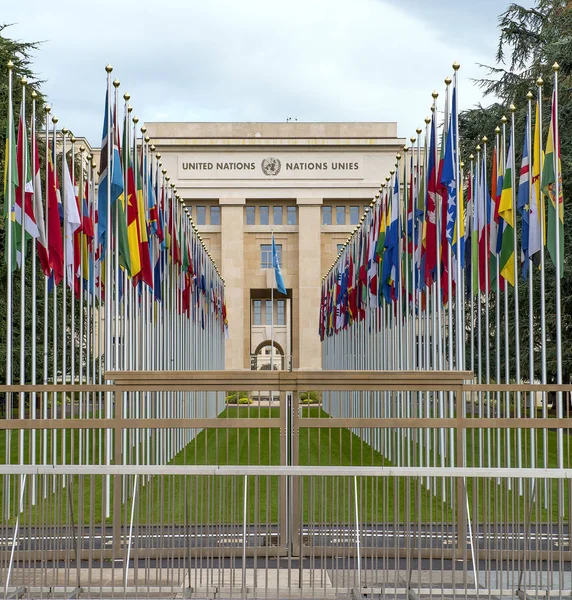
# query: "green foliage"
238,398
531,40
309,398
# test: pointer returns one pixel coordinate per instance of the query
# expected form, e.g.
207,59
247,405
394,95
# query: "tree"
531,40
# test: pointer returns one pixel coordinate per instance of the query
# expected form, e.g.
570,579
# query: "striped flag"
523,200
507,214
534,228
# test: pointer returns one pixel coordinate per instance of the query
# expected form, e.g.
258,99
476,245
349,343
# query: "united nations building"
308,183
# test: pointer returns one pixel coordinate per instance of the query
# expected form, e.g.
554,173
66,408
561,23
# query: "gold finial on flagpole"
405,149
109,68
10,65
164,171
427,121
504,119
478,148
82,148
529,96
116,83
418,131
143,129
497,129
147,139
47,108
435,95
412,140
152,147
24,81
392,171
387,177
34,94
158,155
54,119
129,108
462,165
136,119
126,96
485,139
512,108
540,82
64,130
448,81
456,66
472,156
556,67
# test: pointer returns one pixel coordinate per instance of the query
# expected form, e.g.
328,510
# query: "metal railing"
369,491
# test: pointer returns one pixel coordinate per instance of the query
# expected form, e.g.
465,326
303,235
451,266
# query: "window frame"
292,210
278,208
327,210
250,212
201,214
264,210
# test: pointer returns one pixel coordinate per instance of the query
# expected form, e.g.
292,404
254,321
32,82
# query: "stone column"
309,284
232,269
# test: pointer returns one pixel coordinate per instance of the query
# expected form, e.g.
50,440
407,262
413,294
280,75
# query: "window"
250,215
266,255
280,312
292,215
354,215
268,310
257,312
340,246
267,351
201,215
277,210
326,215
215,215
263,215
340,215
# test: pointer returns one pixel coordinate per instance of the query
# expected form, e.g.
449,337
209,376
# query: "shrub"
242,398
309,398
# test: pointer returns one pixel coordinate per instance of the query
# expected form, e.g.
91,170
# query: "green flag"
549,188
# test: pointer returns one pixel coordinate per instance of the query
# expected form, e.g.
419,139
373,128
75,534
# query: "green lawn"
196,499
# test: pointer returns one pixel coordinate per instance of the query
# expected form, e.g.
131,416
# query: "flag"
10,184
25,187
507,214
55,242
549,188
277,273
390,266
483,202
72,221
535,234
133,265
430,234
42,246
146,273
523,201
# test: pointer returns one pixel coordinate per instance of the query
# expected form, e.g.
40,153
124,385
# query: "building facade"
308,183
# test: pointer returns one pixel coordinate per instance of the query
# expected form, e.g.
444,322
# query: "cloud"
253,60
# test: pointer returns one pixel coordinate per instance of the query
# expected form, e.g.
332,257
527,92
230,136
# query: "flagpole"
506,328
487,294
516,295
108,291
22,183
45,396
531,399
55,318
272,319
9,331
65,201
558,258
544,376
499,157
33,395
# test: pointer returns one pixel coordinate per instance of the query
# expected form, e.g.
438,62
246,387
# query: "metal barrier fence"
352,482
215,532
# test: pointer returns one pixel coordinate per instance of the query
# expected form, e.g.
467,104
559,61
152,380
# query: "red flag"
55,241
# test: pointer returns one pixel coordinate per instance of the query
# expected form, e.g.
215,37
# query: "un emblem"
271,166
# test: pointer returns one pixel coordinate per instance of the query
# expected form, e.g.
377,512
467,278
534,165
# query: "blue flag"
277,273
523,201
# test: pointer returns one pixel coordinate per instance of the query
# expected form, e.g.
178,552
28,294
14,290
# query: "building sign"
235,165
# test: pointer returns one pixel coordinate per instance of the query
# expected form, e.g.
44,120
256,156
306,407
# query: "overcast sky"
256,60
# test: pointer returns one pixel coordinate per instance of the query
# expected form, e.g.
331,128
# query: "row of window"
257,312
277,215
266,255
341,214
202,216
338,215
